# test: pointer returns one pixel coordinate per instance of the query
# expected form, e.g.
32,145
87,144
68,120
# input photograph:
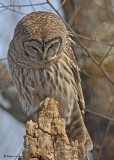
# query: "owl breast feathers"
42,64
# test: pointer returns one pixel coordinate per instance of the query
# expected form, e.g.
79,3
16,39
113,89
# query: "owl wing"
75,69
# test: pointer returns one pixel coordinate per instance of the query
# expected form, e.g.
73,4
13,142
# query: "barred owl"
42,64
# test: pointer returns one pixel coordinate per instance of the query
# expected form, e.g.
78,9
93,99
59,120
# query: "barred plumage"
42,64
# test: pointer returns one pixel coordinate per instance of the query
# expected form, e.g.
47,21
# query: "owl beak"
44,56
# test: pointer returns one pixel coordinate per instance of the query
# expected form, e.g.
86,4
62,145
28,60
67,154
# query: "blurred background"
93,24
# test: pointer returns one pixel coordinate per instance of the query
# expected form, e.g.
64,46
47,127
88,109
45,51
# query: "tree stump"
47,139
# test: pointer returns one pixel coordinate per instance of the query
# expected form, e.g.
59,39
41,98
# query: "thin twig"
32,5
72,17
99,115
105,136
3,10
62,5
13,10
106,54
2,59
94,40
95,61
20,6
87,74
107,130
82,45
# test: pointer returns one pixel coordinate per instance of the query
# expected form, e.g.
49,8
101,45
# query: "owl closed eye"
42,51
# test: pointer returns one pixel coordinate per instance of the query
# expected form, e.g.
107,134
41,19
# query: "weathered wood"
47,139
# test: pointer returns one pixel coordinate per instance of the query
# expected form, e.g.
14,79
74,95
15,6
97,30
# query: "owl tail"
77,130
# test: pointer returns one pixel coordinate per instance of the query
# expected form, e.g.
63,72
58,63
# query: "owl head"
39,38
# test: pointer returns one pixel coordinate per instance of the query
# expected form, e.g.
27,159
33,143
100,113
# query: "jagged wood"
46,139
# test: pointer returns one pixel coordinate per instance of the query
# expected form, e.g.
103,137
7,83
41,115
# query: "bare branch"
106,54
2,59
94,60
3,10
100,115
61,5
32,5
72,17
94,40
20,6
87,74
105,136
13,10
107,130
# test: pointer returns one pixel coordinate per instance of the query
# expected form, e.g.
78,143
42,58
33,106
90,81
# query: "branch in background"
2,59
95,61
3,10
32,5
105,136
13,10
106,133
94,40
99,115
62,5
87,74
21,6
106,54
70,22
